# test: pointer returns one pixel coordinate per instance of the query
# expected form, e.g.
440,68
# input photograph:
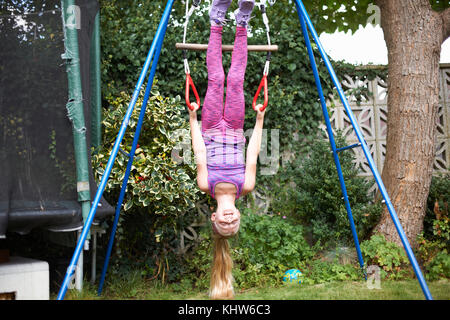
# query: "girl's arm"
254,146
199,148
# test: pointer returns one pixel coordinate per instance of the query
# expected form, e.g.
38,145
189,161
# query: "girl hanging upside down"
219,144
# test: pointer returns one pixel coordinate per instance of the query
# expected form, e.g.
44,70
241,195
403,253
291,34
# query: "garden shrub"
273,242
315,199
437,209
439,266
434,242
161,191
434,258
158,181
319,271
265,247
390,257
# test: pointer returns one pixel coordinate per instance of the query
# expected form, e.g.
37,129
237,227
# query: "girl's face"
227,220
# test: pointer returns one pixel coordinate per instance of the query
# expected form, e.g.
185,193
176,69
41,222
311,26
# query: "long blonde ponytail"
221,285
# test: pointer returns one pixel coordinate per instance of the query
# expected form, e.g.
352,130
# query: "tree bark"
413,33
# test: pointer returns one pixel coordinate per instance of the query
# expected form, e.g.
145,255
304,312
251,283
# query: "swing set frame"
152,60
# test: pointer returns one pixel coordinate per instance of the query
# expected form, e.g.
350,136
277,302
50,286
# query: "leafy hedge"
161,191
311,195
157,180
434,241
258,260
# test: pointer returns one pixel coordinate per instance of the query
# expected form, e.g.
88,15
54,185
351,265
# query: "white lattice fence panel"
371,115
442,159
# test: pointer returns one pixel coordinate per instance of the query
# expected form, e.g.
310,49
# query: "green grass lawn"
346,290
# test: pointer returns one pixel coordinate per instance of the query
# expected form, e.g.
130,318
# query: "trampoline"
40,132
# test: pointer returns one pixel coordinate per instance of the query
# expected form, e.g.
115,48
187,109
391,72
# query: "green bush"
158,181
433,251
439,266
161,192
273,243
316,201
264,249
437,209
319,271
434,242
390,257
434,257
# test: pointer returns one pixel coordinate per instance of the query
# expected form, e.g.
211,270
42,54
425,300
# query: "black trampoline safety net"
37,161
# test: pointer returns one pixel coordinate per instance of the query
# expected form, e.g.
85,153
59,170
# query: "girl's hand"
193,112
259,113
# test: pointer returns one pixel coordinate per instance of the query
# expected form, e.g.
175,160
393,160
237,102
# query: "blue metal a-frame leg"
306,23
152,59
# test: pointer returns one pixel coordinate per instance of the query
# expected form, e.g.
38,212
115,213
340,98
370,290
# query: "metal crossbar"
348,147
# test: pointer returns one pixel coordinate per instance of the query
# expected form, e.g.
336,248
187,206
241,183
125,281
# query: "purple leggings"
214,115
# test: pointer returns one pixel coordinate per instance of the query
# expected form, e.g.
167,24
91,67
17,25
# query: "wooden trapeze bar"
225,47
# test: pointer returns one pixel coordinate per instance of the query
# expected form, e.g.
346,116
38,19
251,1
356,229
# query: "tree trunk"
413,33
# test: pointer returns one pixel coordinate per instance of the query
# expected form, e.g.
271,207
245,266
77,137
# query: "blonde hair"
221,284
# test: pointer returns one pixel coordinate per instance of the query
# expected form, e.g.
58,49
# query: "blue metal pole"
332,142
348,147
130,161
71,269
366,151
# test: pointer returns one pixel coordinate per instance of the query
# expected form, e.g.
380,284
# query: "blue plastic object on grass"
293,276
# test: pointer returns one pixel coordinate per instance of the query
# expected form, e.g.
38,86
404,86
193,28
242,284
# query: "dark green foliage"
319,271
439,266
312,195
161,193
273,239
264,249
437,205
434,255
390,257
434,241
440,5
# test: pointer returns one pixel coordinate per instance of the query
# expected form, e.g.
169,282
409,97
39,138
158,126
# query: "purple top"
225,158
